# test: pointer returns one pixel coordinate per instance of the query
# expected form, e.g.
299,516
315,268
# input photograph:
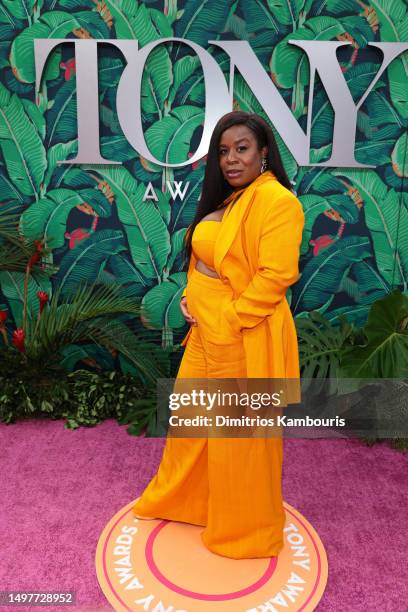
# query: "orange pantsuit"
232,486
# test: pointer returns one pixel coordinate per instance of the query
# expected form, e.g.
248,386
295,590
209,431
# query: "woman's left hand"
186,314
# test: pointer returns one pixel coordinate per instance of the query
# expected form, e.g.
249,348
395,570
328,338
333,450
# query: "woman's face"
239,156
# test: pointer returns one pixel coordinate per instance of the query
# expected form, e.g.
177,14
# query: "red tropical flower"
43,297
322,242
3,331
69,68
39,247
18,339
33,260
76,236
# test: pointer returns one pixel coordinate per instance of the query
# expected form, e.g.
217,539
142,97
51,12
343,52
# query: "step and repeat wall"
135,115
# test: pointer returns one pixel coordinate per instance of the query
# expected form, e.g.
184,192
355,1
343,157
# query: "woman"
243,249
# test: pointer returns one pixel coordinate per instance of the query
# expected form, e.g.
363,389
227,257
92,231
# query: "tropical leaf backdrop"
93,218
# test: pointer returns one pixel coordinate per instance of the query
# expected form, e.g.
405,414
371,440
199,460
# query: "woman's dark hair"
215,188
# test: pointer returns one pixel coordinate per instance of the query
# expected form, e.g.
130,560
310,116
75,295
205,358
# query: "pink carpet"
59,489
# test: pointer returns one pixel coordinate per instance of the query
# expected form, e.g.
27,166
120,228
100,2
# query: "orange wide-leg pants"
231,486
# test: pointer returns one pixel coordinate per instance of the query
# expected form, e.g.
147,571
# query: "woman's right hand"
185,312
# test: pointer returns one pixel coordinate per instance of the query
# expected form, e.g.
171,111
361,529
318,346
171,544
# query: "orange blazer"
257,253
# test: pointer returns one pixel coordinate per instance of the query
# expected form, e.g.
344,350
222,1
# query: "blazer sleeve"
278,265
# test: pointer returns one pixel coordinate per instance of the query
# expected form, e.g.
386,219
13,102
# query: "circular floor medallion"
163,566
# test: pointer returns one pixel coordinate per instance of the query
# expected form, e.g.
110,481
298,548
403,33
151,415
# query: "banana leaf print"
399,156
83,263
202,21
183,69
126,273
21,145
48,217
62,117
323,274
388,226
393,21
58,152
147,234
315,205
55,24
169,139
370,282
94,219
184,211
162,303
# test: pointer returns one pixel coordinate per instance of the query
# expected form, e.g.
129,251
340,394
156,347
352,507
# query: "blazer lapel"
233,218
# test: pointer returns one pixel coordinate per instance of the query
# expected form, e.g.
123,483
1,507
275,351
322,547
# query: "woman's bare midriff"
200,265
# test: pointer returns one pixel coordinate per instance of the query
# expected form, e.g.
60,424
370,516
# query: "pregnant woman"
243,254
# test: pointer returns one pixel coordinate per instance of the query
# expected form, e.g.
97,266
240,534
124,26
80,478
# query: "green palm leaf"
57,153
62,117
183,212
177,245
161,305
117,148
192,89
356,314
55,24
109,71
259,18
393,20
8,191
322,275
287,12
380,110
48,217
389,229
22,9
203,21
92,22
90,314
12,287
169,139
156,81
134,285
288,64
83,263
313,206
148,360
374,152
183,69
147,234
135,21
23,151
399,156
370,282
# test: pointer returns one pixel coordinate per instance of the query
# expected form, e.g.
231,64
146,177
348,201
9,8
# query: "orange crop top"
203,241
